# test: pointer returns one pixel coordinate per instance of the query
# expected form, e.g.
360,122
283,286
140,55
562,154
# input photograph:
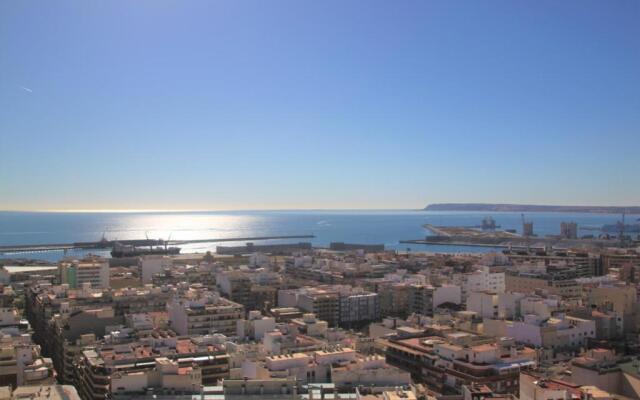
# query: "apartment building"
445,364
166,377
620,297
41,392
559,332
602,368
371,372
584,264
357,308
336,304
92,269
151,265
424,299
236,286
484,304
617,258
309,325
511,306
25,273
101,365
324,302
204,313
394,299
530,283
535,386
203,274
21,362
45,301
312,366
141,300
484,278
289,342
255,326
569,230
285,314
69,333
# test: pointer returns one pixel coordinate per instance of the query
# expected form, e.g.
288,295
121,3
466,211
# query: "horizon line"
195,210
205,210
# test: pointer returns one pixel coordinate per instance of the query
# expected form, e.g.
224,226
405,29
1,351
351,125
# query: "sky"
213,105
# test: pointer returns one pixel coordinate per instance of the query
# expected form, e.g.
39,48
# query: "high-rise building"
527,228
151,265
205,314
424,299
93,270
569,230
336,304
236,286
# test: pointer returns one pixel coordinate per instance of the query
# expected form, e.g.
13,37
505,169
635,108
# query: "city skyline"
319,200
226,106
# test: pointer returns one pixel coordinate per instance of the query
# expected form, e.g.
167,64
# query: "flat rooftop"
12,269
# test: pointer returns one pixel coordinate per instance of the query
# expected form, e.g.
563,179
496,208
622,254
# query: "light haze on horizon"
195,105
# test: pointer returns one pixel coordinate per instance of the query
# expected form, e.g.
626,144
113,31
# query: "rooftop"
12,269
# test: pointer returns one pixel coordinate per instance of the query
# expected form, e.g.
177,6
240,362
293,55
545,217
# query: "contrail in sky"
26,89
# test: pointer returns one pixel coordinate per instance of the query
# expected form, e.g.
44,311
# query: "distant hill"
530,208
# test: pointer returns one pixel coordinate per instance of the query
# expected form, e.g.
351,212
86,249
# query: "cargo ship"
124,250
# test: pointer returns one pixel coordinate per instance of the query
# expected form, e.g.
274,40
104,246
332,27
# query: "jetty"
107,244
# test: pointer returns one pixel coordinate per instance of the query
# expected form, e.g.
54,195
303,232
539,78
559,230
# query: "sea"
386,227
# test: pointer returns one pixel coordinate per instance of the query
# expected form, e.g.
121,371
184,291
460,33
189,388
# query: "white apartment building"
151,265
255,326
484,304
204,315
306,367
369,372
21,361
482,280
511,305
166,377
447,293
559,332
542,307
310,325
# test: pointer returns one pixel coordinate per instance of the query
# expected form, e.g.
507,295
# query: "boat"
123,250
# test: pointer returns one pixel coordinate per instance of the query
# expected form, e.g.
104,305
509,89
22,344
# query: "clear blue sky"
318,104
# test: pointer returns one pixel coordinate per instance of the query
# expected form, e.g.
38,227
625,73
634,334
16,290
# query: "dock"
107,244
455,243
515,242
